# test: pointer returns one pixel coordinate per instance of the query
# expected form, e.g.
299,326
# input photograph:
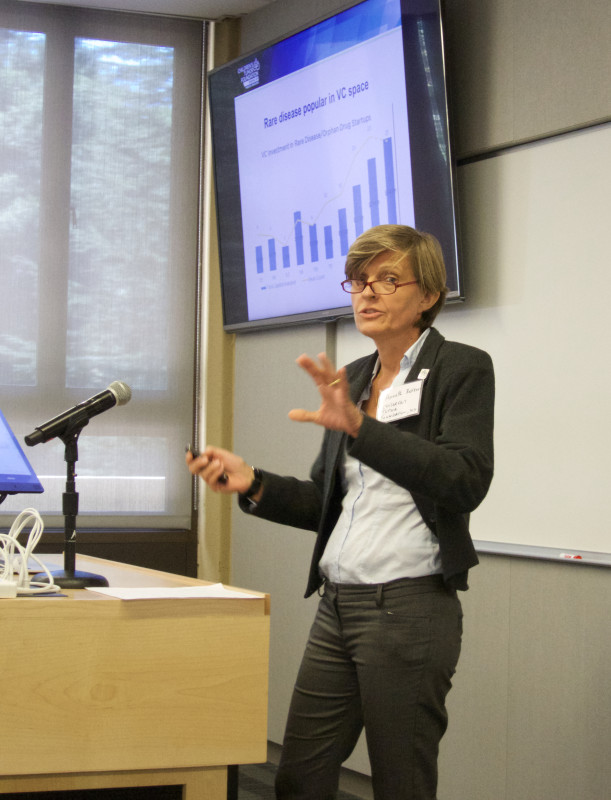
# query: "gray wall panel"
266,557
473,754
519,70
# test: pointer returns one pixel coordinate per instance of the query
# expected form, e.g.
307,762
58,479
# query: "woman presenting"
406,455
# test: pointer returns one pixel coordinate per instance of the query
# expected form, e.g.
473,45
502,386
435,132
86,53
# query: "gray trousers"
379,657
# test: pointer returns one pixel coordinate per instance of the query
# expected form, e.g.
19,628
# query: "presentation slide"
328,160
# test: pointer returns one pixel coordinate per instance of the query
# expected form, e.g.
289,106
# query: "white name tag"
400,402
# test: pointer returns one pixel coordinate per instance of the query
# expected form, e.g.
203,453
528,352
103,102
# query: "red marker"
572,556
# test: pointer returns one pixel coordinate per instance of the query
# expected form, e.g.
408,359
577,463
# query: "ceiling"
199,9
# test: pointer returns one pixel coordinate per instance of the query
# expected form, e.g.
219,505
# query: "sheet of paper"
215,590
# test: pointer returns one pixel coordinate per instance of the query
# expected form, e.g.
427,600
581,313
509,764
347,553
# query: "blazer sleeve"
291,501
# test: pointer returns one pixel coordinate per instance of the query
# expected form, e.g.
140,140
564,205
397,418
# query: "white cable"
14,557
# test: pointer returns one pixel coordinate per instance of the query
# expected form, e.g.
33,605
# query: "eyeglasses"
383,286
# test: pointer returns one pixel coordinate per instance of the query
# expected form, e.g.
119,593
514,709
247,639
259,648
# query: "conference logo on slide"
249,74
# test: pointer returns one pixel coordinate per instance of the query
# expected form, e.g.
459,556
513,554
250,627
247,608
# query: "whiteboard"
536,232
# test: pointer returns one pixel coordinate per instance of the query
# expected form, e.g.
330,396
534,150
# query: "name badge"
400,402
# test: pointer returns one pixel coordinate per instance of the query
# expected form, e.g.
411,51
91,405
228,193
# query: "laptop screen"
16,473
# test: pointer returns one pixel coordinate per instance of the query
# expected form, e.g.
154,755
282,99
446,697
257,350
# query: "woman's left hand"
337,411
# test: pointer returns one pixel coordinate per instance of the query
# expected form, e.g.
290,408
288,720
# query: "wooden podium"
103,693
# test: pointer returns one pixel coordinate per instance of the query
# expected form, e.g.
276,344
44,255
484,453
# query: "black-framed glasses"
383,286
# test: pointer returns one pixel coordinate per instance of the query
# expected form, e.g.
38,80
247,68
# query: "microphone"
117,394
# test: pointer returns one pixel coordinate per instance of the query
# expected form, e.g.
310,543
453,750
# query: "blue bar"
374,203
328,241
313,243
358,210
391,190
286,257
271,248
298,236
343,231
259,259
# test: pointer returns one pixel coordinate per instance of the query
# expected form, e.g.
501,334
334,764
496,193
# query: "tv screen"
318,137
16,473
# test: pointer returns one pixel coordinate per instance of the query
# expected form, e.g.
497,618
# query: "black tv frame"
433,168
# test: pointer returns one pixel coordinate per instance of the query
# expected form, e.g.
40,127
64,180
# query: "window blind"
100,117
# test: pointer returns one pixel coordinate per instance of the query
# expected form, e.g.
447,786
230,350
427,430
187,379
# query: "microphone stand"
68,578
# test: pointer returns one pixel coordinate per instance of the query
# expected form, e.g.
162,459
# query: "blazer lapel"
427,355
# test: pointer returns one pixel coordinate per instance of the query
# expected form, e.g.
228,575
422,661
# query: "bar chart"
334,172
336,235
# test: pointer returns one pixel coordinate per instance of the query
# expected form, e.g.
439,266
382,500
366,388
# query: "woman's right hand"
222,470
337,412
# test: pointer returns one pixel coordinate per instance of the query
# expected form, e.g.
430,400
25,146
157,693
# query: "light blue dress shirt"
380,535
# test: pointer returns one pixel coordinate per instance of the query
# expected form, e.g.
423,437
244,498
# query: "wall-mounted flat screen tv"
318,137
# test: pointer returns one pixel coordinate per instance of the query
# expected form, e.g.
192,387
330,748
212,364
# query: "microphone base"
73,580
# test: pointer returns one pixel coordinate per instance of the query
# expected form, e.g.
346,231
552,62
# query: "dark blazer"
443,456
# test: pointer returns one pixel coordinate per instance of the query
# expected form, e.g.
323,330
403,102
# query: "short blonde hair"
425,256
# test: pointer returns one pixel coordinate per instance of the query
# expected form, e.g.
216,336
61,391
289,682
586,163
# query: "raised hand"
337,411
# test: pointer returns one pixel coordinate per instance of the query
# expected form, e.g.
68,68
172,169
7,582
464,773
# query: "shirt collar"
408,359
407,362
